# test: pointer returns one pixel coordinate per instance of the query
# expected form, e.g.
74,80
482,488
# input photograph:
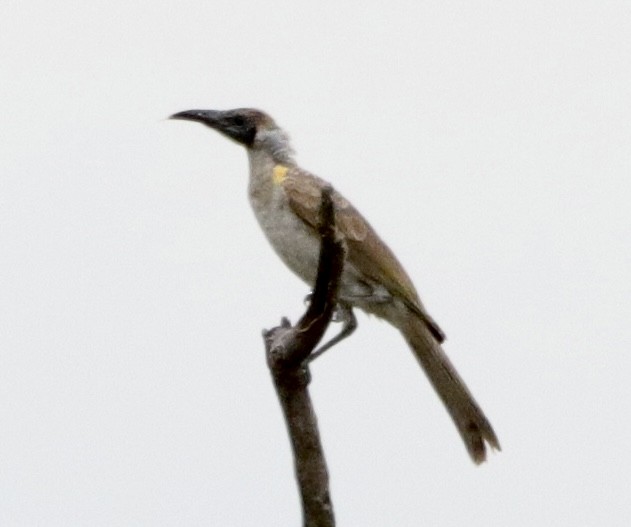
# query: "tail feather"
475,429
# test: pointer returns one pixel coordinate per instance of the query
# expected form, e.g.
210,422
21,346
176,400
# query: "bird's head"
252,128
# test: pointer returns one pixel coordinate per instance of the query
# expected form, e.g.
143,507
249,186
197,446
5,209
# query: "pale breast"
295,243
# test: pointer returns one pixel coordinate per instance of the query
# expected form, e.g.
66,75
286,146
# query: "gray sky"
488,142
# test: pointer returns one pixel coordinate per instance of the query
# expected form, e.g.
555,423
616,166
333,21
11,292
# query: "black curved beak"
210,118
238,125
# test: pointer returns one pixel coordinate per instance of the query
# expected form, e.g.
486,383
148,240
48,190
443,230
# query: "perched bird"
286,201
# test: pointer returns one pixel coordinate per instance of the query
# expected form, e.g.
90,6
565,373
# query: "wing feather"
366,251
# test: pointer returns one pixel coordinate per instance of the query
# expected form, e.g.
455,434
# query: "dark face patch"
239,126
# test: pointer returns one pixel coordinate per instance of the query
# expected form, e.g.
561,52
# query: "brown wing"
366,251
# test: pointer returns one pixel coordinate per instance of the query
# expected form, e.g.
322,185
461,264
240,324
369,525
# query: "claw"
307,299
343,313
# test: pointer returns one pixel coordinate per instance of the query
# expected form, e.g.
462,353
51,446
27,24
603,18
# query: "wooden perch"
288,350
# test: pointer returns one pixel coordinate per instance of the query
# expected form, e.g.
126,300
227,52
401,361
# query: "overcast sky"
488,142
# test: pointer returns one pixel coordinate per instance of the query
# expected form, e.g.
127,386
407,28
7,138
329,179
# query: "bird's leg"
343,313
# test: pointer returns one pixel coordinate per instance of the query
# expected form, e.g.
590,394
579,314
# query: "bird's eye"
238,120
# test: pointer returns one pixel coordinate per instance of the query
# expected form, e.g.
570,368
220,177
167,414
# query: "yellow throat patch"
279,173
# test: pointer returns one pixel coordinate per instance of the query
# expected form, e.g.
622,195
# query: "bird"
286,200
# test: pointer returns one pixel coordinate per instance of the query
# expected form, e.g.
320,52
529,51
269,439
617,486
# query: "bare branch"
287,350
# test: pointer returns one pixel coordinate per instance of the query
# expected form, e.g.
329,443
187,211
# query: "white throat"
275,142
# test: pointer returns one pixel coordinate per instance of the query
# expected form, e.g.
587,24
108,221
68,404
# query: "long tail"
470,421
